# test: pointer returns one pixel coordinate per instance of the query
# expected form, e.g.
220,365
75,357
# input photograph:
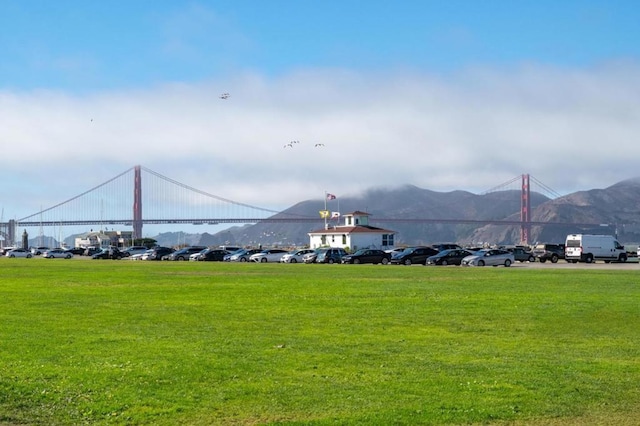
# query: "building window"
344,239
349,220
323,240
387,239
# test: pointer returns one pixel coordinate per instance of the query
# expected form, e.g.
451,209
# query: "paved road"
631,265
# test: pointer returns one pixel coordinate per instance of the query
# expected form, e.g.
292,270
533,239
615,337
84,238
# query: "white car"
194,256
395,250
19,253
489,257
268,255
142,256
57,253
295,256
310,257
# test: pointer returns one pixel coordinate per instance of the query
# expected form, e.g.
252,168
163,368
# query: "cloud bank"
571,129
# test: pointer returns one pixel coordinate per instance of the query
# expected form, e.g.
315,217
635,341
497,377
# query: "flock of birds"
225,96
293,143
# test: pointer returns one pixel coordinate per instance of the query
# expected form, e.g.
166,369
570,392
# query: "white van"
589,248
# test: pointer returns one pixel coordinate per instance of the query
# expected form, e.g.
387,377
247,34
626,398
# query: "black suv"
552,252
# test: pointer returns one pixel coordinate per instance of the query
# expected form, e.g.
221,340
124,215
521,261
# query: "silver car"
19,252
489,257
57,253
295,256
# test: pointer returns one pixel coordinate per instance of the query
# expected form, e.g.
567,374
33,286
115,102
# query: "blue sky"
405,92
80,45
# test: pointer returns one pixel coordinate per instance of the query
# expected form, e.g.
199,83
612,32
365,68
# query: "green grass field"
166,343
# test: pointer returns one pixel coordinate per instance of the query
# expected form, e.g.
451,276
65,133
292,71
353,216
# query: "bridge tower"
137,203
11,232
525,210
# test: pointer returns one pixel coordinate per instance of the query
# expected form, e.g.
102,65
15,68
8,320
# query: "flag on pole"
335,215
330,196
324,214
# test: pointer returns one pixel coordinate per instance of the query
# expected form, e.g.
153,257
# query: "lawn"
166,343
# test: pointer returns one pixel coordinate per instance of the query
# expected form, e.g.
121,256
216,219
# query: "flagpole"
325,209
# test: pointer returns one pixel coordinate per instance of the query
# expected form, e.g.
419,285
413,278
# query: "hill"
618,204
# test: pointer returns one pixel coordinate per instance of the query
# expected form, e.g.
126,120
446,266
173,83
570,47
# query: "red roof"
352,230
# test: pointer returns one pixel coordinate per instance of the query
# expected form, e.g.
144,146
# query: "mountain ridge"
616,204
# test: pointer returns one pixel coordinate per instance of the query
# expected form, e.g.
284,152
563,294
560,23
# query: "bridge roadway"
216,221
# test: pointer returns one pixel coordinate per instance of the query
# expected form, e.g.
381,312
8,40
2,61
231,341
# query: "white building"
354,234
104,239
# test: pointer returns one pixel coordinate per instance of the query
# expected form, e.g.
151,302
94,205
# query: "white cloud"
571,129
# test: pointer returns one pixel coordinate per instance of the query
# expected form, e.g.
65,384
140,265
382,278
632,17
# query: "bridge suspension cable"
206,194
550,191
76,197
546,189
501,186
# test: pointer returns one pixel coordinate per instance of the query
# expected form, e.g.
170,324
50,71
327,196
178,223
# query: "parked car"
184,253
157,253
395,250
522,254
231,253
445,246
230,249
552,252
108,253
310,257
268,255
5,250
57,253
19,252
243,255
194,256
37,251
76,251
367,256
449,257
90,251
141,256
209,255
412,255
295,256
330,255
133,250
489,257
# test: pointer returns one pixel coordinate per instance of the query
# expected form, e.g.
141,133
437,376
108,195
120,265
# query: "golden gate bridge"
167,201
